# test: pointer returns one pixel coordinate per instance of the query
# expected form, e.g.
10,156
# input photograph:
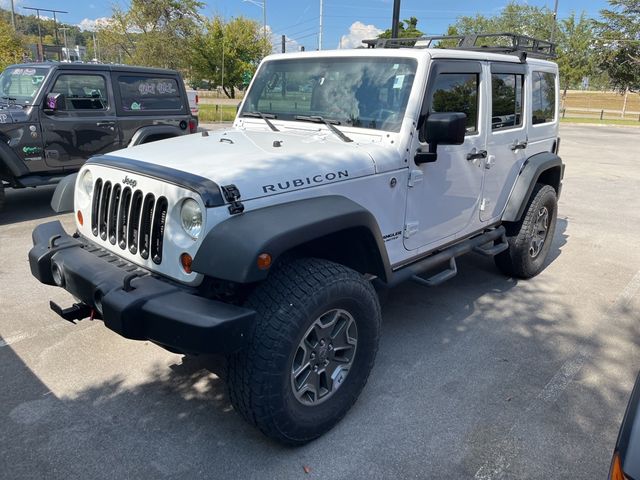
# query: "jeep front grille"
129,219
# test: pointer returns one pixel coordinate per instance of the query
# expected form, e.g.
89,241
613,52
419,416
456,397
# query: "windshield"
21,84
367,92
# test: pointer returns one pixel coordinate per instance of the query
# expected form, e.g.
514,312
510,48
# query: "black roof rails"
507,43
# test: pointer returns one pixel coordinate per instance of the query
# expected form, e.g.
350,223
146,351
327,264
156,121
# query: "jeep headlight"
191,217
85,189
86,183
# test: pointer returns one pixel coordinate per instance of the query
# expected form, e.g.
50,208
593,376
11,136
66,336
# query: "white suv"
345,173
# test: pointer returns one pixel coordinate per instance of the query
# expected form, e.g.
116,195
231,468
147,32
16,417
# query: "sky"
345,23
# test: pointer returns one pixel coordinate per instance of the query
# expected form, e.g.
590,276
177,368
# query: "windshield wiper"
265,117
329,123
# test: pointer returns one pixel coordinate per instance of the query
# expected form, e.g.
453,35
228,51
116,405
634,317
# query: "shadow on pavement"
459,370
26,204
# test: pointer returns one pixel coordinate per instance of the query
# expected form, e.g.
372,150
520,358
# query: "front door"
444,195
507,138
86,123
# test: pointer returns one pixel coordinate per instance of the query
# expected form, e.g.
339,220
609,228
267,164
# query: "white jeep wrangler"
345,172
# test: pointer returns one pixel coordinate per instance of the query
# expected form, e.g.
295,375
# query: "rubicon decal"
301,182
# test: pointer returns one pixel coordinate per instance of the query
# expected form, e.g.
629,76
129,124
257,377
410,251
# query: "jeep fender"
546,167
314,226
145,132
10,163
62,200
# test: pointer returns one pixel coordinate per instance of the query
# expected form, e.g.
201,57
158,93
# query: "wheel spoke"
323,358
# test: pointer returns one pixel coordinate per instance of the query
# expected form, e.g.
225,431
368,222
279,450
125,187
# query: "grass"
597,121
601,100
216,113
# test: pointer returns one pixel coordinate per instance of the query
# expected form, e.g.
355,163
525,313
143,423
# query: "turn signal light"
186,261
616,472
264,261
80,219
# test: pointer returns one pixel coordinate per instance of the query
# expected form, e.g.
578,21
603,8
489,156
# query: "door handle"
519,145
476,154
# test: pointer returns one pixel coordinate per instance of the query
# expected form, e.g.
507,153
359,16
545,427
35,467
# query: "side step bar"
413,271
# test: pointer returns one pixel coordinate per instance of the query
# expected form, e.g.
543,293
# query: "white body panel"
305,160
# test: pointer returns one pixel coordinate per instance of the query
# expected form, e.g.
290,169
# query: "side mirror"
441,129
54,102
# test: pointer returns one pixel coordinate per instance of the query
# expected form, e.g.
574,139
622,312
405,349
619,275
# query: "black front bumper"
134,303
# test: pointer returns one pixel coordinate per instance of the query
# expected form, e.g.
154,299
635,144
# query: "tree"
574,36
11,47
619,43
406,29
576,55
239,43
153,33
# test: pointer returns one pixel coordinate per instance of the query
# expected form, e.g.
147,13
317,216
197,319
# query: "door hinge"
410,228
415,177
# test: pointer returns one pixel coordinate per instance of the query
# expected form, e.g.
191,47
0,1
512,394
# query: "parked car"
625,464
194,102
268,242
54,116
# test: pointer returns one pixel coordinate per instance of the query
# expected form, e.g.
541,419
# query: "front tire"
310,353
530,238
1,195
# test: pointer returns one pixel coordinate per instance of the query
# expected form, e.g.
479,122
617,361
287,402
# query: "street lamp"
263,5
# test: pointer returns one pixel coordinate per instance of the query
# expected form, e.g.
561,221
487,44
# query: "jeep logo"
129,181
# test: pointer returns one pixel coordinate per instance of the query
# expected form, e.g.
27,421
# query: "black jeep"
54,116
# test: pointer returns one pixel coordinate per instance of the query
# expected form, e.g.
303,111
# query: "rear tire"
1,196
530,239
314,313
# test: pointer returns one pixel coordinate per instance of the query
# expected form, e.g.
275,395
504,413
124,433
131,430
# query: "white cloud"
92,24
358,31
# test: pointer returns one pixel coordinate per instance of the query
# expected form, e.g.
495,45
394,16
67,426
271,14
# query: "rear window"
143,93
544,97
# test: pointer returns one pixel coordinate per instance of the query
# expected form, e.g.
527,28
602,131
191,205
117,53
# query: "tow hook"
77,311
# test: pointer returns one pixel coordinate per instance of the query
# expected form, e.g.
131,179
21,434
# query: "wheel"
312,347
1,195
530,238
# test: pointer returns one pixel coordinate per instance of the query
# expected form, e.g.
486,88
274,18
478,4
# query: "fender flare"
12,163
230,250
534,167
62,200
145,132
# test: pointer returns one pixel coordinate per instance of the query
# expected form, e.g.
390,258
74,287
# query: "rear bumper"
144,307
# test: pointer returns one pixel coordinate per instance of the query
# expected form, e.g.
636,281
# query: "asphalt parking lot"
483,377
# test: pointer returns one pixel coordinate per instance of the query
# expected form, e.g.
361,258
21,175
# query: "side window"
544,97
82,92
149,93
457,92
506,100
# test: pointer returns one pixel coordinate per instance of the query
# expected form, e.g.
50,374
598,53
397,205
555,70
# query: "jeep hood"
257,163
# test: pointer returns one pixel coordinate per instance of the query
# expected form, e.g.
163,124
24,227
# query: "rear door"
444,196
86,125
506,138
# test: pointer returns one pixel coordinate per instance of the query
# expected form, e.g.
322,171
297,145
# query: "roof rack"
507,43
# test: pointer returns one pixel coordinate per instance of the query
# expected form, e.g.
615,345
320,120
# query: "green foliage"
619,43
406,29
574,37
11,47
153,33
239,42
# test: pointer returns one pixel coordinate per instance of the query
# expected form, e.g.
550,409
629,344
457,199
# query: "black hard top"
96,66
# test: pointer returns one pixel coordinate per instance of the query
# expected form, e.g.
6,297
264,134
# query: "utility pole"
320,31
13,16
263,5
66,47
396,19
95,48
284,44
555,19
